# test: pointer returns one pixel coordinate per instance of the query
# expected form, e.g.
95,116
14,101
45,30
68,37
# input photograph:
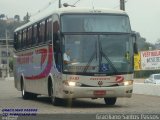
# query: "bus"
101,48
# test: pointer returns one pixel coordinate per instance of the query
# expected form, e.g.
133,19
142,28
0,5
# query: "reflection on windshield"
95,23
98,53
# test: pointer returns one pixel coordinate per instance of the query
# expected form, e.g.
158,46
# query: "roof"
70,10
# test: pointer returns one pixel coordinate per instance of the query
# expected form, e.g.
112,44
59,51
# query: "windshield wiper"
91,59
102,54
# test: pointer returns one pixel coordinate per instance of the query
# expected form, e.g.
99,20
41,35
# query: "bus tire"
110,101
25,95
54,100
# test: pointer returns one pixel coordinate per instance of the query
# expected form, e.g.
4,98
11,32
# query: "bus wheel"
54,100
110,101
25,95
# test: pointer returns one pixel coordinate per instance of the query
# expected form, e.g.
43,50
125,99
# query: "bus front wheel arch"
54,100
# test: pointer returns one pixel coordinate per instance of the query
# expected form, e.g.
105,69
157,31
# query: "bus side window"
15,40
38,33
19,40
56,43
49,30
29,36
55,30
22,39
45,31
42,31
34,34
27,42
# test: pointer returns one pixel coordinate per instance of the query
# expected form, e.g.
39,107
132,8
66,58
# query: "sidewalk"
7,78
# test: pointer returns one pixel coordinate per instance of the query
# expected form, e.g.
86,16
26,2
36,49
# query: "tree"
157,44
2,16
17,18
26,18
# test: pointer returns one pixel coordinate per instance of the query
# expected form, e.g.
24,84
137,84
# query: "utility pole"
7,55
59,3
122,5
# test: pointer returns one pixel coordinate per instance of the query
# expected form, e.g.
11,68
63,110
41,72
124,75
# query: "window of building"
3,53
4,61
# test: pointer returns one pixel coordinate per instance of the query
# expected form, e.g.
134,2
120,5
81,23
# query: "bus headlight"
128,82
72,83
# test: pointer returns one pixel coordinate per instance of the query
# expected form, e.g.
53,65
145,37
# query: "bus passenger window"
24,38
29,36
55,30
38,33
19,40
49,29
56,45
34,35
41,31
15,40
22,41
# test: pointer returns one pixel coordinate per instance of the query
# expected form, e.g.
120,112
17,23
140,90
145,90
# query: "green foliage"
145,73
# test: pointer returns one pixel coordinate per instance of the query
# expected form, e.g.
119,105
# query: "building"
5,56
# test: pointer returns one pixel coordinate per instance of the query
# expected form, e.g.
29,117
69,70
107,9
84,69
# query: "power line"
44,8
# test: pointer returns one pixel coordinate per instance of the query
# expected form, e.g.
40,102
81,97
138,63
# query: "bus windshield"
91,53
95,23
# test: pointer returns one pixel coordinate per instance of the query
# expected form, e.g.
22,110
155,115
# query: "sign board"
150,60
137,62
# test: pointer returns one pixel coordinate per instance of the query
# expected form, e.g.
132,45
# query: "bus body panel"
34,66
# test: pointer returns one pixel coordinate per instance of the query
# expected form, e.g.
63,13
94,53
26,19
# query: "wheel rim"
22,91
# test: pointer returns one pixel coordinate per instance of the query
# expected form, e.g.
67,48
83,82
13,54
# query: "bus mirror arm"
135,47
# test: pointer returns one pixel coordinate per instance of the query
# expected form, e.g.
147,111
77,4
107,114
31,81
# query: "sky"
144,14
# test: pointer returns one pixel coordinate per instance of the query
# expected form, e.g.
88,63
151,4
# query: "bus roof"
70,10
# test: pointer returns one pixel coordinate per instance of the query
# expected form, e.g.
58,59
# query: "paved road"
11,98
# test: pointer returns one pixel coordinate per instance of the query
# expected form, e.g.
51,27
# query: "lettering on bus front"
100,78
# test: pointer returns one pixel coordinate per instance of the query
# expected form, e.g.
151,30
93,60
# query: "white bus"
101,47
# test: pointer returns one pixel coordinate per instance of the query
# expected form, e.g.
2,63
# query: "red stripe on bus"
46,70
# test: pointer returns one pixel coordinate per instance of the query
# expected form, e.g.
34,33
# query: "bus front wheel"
54,100
110,101
25,95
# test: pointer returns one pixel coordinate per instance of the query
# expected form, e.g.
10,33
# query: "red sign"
99,92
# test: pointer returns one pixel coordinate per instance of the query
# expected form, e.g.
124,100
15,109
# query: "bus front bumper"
97,92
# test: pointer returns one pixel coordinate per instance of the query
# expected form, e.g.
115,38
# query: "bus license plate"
99,92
